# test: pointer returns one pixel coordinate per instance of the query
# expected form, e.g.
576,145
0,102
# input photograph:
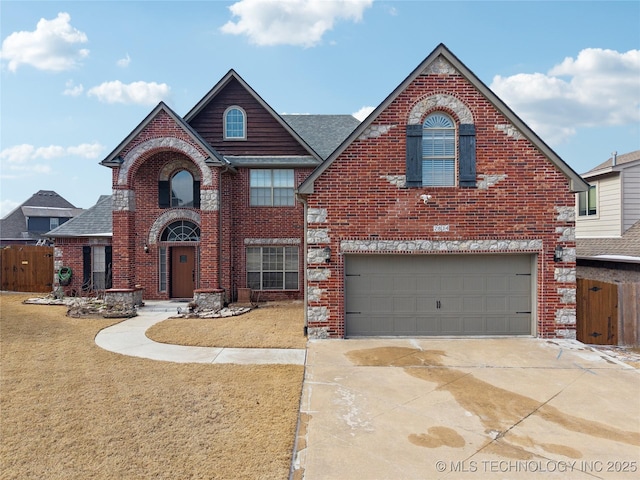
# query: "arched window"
181,231
438,151
182,189
235,124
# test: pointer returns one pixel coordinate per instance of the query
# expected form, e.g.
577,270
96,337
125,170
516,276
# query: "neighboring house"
441,214
27,223
608,252
83,244
612,204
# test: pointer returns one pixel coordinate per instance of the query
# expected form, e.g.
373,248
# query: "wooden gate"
597,312
26,268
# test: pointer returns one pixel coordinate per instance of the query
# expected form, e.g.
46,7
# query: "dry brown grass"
70,410
271,325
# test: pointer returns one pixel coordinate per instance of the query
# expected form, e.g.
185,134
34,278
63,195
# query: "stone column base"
209,299
126,297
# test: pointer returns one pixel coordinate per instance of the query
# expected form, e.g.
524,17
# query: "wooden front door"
597,312
183,265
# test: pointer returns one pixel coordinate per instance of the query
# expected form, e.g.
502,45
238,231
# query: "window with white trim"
588,202
272,188
438,151
272,268
235,123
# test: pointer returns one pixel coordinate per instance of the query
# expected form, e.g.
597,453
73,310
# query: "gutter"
303,200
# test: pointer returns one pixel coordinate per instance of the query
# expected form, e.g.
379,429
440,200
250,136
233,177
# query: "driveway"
473,408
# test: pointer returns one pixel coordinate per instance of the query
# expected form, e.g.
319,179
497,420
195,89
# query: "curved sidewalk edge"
128,338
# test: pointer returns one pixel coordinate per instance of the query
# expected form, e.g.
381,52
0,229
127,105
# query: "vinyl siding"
631,191
608,221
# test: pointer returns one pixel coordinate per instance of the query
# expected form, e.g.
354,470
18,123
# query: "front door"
183,264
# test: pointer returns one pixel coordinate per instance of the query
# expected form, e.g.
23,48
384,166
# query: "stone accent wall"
442,101
487,181
164,143
123,200
510,131
440,246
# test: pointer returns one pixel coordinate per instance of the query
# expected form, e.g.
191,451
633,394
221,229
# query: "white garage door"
422,295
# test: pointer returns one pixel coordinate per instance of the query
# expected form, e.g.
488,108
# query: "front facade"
441,214
204,206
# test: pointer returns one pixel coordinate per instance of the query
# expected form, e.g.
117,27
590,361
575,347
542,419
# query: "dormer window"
235,124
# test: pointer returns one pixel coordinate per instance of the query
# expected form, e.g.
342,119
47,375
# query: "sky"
77,77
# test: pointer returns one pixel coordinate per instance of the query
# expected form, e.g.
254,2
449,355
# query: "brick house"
442,213
204,206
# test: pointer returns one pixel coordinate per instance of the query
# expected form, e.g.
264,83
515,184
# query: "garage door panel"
445,294
428,325
473,304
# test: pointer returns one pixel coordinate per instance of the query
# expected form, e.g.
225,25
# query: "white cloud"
363,113
137,93
291,22
6,207
124,62
53,46
72,90
24,158
597,88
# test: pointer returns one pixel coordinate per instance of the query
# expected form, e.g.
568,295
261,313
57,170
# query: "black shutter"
414,156
86,267
196,194
108,260
467,163
164,195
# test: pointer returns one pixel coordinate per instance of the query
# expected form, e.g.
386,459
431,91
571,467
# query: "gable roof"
577,183
93,222
218,87
44,203
324,133
114,159
615,164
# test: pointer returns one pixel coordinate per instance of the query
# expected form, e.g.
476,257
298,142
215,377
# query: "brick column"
124,254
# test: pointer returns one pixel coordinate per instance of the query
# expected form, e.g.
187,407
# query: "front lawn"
71,410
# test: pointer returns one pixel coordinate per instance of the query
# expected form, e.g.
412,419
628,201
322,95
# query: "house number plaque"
441,228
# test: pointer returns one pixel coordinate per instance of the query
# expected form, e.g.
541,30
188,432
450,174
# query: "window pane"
272,280
253,280
182,189
438,151
291,281
253,259
592,201
234,123
272,187
163,269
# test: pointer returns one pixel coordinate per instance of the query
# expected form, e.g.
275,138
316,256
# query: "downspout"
230,294
304,267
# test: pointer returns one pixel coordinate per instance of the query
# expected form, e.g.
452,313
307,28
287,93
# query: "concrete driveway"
474,408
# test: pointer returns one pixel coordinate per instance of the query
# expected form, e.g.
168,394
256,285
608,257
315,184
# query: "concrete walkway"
128,338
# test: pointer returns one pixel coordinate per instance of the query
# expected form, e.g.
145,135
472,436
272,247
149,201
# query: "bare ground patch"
71,410
271,325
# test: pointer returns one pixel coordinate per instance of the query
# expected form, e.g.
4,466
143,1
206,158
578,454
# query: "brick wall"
521,196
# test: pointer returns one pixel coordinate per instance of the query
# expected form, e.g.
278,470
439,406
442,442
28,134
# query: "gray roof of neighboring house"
621,162
14,224
93,222
323,133
626,246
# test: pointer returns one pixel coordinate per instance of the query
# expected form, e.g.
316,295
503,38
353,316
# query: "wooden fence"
26,268
608,313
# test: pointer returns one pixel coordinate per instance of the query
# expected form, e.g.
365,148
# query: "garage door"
410,295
